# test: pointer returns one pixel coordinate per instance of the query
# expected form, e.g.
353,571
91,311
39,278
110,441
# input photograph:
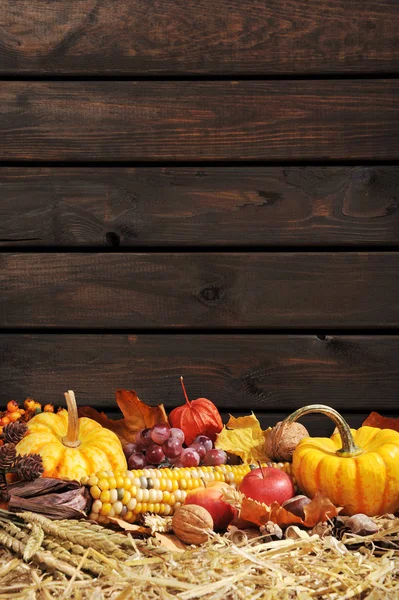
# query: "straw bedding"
82,561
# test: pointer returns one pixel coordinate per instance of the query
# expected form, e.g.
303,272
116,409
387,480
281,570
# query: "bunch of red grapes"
162,445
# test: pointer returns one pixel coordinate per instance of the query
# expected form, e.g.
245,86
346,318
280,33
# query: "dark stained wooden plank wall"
198,121
222,290
170,37
238,372
204,206
94,93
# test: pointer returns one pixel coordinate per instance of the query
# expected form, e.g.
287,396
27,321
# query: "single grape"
154,454
160,433
205,441
200,448
215,457
189,457
177,433
136,461
172,447
130,449
143,438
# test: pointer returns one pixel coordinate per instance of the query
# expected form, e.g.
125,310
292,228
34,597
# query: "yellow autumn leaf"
244,437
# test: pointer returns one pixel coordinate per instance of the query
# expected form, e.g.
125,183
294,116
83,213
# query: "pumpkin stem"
349,447
72,437
184,391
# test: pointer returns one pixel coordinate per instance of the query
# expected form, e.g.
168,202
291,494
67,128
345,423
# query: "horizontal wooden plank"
202,206
225,290
238,372
217,120
201,36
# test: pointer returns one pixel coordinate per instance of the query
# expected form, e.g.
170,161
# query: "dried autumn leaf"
376,420
320,509
244,437
171,542
136,415
132,528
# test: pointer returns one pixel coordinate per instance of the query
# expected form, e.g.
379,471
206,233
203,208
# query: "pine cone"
7,456
14,432
29,466
4,495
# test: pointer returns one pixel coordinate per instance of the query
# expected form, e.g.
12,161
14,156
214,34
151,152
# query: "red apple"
210,498
267,485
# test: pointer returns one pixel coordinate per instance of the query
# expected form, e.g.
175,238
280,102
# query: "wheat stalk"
76,534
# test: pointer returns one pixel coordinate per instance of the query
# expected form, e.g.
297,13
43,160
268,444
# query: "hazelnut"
296,505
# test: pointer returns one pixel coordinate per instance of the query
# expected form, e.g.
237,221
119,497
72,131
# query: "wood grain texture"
192,120
198,36
202,206
210,289
237,372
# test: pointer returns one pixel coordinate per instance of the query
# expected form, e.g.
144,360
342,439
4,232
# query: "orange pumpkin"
356,469
198,417
72,448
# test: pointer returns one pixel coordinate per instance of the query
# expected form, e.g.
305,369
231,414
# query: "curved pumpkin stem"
72,437
349,447
184,391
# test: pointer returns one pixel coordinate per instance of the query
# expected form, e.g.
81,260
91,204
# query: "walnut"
192,524
280,442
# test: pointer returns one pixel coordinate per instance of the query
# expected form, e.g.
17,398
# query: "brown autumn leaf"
132,528
376,420
136,415
320,509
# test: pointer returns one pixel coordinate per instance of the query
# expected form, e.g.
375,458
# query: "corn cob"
129,494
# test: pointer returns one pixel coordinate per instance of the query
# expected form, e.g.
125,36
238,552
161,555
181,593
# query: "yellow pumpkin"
356,469
72,448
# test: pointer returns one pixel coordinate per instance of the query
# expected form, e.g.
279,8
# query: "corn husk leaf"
319,510
53,498
136,415
376,420
243,436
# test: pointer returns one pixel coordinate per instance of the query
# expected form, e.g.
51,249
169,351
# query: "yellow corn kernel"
127,483
166,497
95,492
93,480
120,481
112,482
150,507
103,484
144,507
105,496
138,508
101,474
126,497
105,509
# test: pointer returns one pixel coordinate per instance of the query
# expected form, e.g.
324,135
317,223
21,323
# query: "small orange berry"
12,406
5,420
14,416
21,410
29,404
48,408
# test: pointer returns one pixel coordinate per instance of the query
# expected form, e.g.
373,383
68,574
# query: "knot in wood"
362,176
210,294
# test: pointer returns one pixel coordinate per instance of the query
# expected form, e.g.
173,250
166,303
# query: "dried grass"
301,569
